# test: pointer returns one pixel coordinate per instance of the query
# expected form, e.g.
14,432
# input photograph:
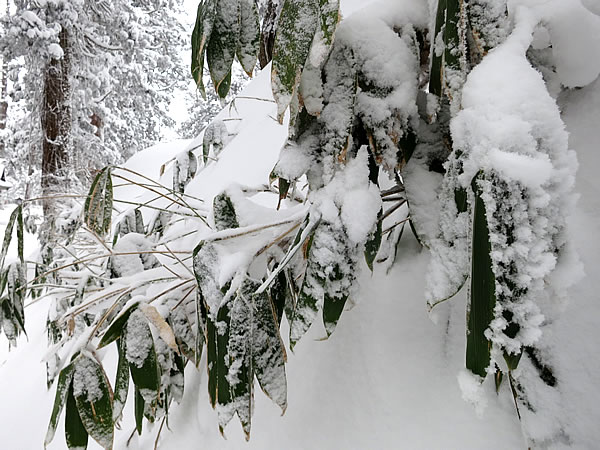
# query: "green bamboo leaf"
211,356
333,306
283,187
483,289
307,304
116,328
278,293
224,212
138,410
17,212
17,283
222,44
329,15
436,74
94,399
63,386
296,28
249,39
20,242
141,355
222,365
268,353
121,381
240,355
205,17
75,433
374,242
99,202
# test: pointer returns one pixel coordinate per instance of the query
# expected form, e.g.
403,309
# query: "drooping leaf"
15,217
75,433
211,356
278,294
222,44
240,372
62,389
436,73
99,203
224,212
283,187
16,283
116,329
164,330
483,286
138,410
268,354
296,28
222,365
94,399
205,17
374,242
121,381
329,15
141,355
249,39
184,170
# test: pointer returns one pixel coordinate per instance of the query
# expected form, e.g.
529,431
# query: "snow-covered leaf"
224,212
141,355
184,169
116,328
222,44
94,399
482,294
329,15
75,433
99,202
164,330
374,242
249,40
295,31
16,217
121,381
63,385
205,16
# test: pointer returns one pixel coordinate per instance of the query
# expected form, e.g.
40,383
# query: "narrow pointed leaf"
99,202
75,433
296,28
116,328
268,354
141,355
62,388
138,410
329,14
223,43
483,298
374,242
249,39
121,381
224,212
8,233
94,399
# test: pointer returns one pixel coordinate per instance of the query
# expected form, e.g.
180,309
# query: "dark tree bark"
56,124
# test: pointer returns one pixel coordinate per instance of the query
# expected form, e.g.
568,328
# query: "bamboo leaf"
99,202
222,366
141,355
205,17
164,330
8,234
374,242
224,212
436,71
223,43
63,385
329,15
94,399
211,356
483,286
121,381
268,354
249,39
296,29
75,433
116,328
138,410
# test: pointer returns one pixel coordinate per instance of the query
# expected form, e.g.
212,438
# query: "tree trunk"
56,125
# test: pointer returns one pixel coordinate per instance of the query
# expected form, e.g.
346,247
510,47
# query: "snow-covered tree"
440,118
